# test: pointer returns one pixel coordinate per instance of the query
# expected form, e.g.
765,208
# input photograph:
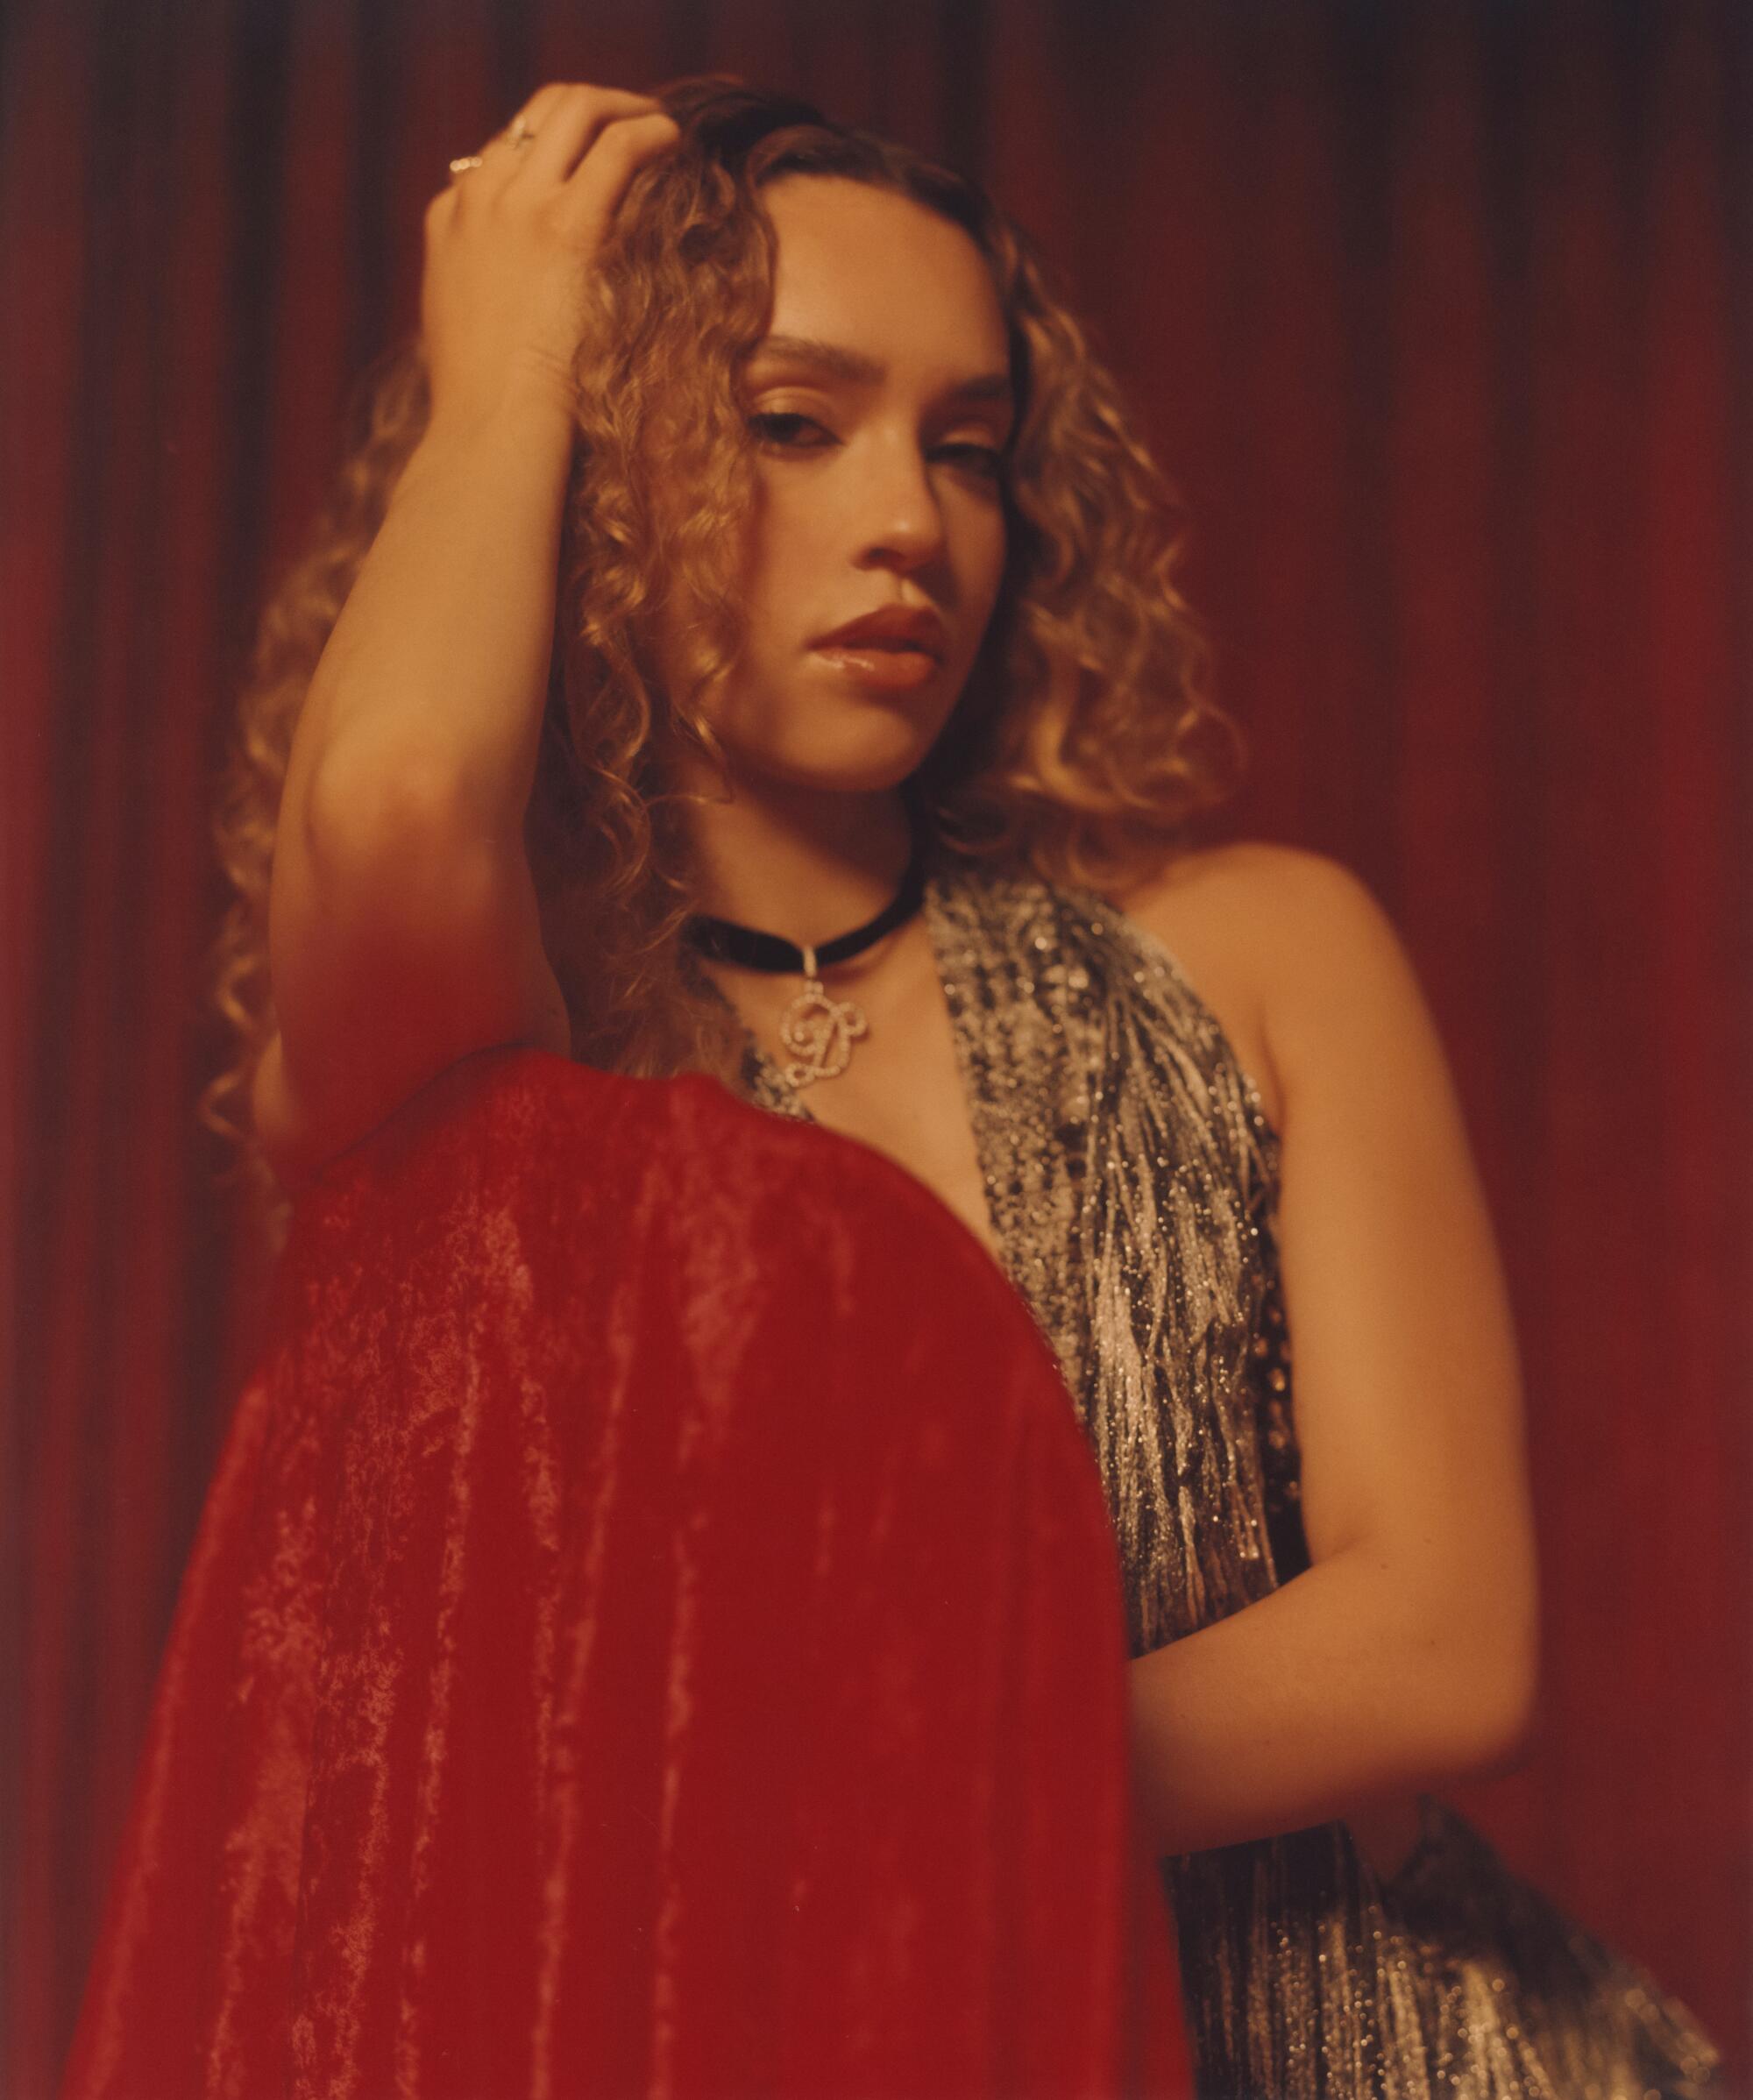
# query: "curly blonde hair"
1078,748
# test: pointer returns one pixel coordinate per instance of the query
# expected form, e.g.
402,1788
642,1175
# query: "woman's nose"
901,518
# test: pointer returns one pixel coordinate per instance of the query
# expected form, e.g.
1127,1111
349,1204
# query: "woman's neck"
805,864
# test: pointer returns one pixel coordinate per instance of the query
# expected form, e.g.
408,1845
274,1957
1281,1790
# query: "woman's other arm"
1406,1656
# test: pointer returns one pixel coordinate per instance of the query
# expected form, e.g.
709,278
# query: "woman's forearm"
1345,1686
435,676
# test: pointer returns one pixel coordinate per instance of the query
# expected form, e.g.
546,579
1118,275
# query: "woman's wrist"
524,410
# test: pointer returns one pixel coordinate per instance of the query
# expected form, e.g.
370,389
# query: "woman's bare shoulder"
1244,873
1259,899
1247,920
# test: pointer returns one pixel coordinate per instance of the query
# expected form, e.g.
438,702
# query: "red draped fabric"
621,1654
1438,314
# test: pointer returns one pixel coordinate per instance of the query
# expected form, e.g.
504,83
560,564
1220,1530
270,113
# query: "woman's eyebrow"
839,361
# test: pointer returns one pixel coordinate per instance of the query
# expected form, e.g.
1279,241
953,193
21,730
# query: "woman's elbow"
1508,1726
1491,1698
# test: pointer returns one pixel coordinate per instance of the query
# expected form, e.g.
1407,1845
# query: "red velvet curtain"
1437,312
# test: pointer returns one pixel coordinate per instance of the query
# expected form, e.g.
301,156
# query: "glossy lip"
890,627
882,665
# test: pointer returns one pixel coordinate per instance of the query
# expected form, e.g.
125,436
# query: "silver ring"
518,136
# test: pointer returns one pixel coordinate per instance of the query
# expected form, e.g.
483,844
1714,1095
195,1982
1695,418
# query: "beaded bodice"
1129,1174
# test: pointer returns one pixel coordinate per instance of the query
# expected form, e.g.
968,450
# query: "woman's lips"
875,664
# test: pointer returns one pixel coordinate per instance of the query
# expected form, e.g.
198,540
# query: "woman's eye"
982,457
777,428
784,428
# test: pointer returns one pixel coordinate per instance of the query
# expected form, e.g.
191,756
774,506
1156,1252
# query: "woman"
761,656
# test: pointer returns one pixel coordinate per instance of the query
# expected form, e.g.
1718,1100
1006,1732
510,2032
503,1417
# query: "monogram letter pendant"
818,1030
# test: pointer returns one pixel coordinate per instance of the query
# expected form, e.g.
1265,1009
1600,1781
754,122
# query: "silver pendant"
818,1030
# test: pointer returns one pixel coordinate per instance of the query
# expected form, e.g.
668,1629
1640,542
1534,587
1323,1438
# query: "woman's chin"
866,764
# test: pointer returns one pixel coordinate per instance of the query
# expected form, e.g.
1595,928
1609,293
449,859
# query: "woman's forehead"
881,277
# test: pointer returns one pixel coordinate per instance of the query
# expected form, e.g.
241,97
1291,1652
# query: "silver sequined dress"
1131,1176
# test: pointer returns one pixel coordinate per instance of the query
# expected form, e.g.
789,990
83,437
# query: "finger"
501,158
571,127
594,191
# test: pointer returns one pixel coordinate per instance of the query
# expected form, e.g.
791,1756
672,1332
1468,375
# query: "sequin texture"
1131,1173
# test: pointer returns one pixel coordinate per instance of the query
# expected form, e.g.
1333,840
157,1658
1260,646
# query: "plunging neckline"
970,1098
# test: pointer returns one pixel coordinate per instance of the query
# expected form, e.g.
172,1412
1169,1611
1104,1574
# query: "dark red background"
1438,316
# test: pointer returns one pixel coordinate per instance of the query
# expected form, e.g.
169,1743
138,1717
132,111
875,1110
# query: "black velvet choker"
818,1029
726,942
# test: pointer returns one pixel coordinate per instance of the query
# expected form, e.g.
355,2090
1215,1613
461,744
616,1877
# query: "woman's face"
879,404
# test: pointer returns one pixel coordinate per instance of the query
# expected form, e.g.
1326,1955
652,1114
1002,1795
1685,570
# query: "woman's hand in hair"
509,245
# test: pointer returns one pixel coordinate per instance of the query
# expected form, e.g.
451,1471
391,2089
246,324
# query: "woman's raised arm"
403,927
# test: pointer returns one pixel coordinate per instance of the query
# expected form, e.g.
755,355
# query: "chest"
906,1089
902,1091
903,1094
